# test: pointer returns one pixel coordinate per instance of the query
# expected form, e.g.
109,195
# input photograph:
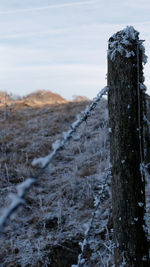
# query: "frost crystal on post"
122,42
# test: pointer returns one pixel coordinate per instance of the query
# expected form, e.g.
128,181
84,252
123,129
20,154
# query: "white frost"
56,144
140,204
122,41
142,87
16,201
24,186
41,161
129,54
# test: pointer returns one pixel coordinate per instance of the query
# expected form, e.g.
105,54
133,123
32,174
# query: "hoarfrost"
96,201
140,204
56,145
41,161
142,87
144,57
16,201
129,54
23,187
122,41
65,134
144,258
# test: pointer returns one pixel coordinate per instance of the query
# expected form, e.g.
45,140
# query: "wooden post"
125,102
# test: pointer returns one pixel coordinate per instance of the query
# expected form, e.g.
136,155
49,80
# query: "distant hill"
78,98
40,97
37,98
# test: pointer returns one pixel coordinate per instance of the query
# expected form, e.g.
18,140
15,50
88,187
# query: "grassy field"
58,210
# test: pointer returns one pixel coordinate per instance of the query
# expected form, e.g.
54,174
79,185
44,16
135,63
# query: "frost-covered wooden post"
125,101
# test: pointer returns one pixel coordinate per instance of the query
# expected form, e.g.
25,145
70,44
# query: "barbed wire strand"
88,231
18,199
139,108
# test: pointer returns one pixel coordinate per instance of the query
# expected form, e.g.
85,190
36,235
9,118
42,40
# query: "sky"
61,45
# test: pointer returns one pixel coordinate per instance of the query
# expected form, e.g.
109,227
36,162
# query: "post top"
122,42
128,33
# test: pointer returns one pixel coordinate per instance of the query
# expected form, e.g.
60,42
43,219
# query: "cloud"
40,8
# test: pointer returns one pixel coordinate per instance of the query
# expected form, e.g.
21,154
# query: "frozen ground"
67,217
59,209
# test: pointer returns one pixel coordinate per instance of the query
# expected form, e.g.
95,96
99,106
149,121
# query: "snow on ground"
58,211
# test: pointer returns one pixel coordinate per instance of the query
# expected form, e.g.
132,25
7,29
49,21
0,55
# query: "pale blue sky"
61,45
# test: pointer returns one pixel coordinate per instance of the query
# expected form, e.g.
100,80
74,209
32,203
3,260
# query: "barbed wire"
18,199
102,193
139,112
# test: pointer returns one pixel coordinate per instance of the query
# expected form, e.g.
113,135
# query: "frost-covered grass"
59,208
67,217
